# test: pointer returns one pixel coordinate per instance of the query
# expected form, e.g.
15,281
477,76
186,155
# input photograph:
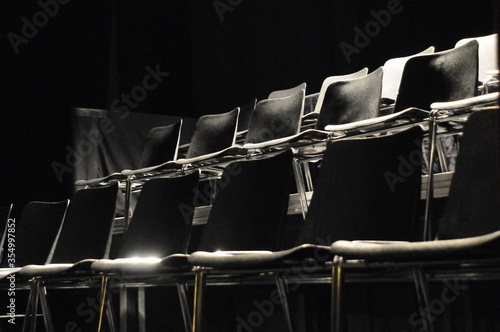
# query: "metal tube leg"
423,298
128,194
199,288
336,296
141,308
430,184
301,190
104,289
34,307
29,307
282,290
186,312
47,316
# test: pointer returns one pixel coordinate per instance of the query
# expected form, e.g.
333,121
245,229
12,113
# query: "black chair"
287,92
160,227
469,233
85,236
276,118
36,232
351,100
247,214
393,71
31,238
213,132
161,145
358,194
439,77
246,113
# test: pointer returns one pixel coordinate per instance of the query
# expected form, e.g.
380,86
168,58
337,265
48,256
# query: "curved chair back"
246,113
250,205
351,100
162,144
487,53
329,80
473,205
443,76
276,118
367,189
86,231
36,232
213,132
162,219
393,70
287,92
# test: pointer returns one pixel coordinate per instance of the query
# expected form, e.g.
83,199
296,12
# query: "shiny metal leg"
104,289
186,312
199,288
283,292
47,315
301,189
423,298
336,296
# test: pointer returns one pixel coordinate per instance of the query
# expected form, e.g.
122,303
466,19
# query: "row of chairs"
402,83
319,220
243,233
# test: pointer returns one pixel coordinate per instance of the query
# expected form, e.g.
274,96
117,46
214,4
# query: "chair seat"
409,113
4,273
104,179
142,266
370,250
51,270
257,259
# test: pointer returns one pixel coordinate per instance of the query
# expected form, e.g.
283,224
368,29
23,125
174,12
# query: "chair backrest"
393,70
487,53
213,132
442,76
162,144
4,221
329,80
473,204
351,100
287,92
36,231
86,230
246,112
162,219
250,205
367,189
310,102
276,118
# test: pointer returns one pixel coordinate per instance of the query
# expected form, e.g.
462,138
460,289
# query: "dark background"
92,51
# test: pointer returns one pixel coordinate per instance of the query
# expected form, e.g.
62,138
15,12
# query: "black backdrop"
217,54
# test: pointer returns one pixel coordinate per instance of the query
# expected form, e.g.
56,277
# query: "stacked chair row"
362,216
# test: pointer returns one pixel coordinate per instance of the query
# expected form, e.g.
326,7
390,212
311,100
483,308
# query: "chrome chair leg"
104,290
32,302
423,298
336,295
283,292
186,312
47,315
301,189
199,288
